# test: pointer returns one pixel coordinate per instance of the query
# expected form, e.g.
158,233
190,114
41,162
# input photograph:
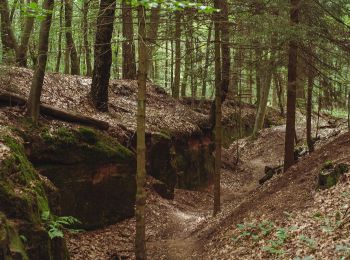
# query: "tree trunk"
265,89
206,64
8,39
176,90
103,55
222,79
217,129
39,72
140,242
310,85
21,54
75,68
291,92
187,65
279,90
59,55
86,41
128,62
152,34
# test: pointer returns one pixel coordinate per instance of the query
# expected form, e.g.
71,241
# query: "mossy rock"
23,201
330,174
72,146
11,244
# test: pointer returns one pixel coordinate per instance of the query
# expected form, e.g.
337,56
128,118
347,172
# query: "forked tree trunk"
39,72
128,62
176,90
291,92
103,55
265,89
140,243
75,67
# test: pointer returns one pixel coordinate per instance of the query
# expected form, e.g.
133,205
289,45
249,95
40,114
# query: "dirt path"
181,229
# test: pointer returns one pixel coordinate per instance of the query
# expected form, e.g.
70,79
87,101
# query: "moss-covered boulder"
23,200
330,174
94,173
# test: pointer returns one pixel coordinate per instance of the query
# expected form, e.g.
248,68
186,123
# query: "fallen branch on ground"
11,99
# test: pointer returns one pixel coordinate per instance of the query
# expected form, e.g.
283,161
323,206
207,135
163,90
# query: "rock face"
184,162
95,174
330,174
23,233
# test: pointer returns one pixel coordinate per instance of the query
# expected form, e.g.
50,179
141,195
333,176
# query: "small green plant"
275,246
56,225
308,241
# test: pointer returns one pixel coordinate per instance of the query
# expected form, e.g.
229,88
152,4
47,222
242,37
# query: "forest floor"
295,219
184,228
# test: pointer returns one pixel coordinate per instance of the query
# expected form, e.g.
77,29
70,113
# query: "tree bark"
21,54
187,65
86,41
128,63
291,92
310,85
59,55
222,79
39,72
176,90
103,55
8,38
217,110
140,243
206,64
152,34
75,67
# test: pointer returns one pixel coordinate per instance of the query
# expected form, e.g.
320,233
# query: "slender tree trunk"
152,34
222,79
140,243
8,39
39,72
258,61
75,66
187,65
166,62
86,41
128,63
310,85
21,54
206,64
279,91
217,129
103,55
291,92
265,90
59,55
176,90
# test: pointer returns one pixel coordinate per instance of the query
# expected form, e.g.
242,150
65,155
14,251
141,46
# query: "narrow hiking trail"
180,229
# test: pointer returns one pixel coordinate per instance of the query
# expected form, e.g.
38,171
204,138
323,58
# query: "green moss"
10,237
327,165
88,135
61,136
20,184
